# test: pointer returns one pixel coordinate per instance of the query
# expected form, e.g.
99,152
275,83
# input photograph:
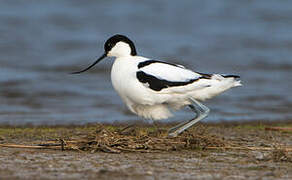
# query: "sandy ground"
276,163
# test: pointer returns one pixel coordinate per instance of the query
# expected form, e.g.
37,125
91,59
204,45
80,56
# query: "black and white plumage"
152,88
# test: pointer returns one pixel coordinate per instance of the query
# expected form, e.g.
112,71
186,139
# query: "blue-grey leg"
201,112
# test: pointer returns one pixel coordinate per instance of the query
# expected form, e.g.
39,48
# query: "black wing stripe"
205,75
159,84
148,62
209,76
228,76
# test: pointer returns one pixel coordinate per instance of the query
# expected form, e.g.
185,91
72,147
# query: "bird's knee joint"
207,111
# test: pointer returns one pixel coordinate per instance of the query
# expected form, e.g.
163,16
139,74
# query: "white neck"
121,49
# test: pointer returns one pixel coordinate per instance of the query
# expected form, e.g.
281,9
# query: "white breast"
139,99
124,81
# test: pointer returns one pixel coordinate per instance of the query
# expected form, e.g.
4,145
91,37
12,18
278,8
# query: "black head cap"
112,41
109,44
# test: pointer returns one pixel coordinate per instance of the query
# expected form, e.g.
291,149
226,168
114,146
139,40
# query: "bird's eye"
107,46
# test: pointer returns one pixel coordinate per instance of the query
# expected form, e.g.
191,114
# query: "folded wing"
158,75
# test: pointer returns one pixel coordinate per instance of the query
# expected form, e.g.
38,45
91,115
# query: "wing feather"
169,72
159,76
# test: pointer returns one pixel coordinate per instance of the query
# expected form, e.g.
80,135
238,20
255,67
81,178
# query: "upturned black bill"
97,61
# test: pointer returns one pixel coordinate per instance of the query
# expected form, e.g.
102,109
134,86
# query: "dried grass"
113,139
140,140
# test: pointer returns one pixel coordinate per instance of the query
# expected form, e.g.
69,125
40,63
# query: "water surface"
42,41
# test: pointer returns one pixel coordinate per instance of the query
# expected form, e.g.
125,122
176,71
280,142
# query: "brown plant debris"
283,129
280,155
140,140
137,139
117,139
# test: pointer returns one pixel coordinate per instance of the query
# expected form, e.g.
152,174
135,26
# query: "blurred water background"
41,42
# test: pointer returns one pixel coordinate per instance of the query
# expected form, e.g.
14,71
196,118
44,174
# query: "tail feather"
235,82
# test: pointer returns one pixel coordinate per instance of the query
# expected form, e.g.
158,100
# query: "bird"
154,89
